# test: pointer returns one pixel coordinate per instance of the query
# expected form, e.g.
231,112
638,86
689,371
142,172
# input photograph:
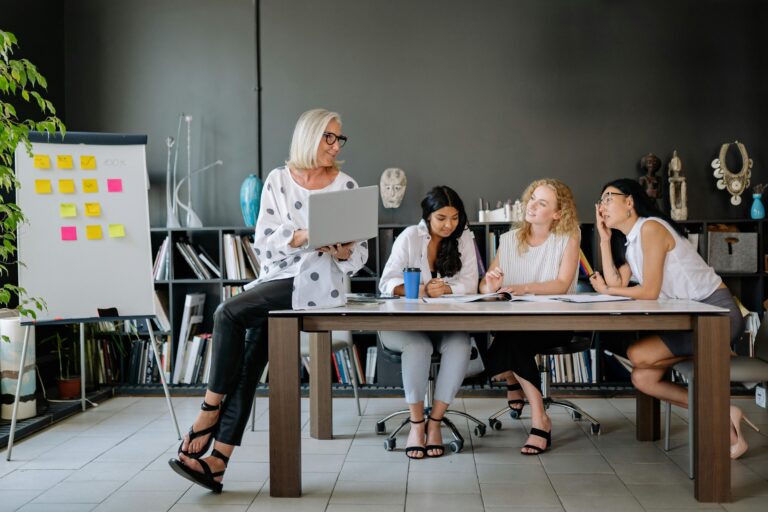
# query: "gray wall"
486,96
133,66
483,96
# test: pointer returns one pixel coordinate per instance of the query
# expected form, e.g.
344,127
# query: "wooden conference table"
711,361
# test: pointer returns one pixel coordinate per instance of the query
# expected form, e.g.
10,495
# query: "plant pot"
69,388
10,357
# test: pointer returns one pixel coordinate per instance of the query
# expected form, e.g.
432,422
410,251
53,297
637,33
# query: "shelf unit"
751,288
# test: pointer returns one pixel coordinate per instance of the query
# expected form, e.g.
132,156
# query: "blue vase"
250,199
758,210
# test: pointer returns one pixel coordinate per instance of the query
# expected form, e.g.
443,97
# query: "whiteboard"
86,242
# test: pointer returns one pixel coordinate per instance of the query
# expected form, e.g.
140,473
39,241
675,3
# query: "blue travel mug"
411,279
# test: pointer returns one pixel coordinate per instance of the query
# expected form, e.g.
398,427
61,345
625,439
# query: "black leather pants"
517,351
240,352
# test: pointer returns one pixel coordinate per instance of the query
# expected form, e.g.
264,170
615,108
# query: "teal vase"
250,199
758,210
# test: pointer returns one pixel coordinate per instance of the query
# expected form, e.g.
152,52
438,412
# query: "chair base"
577,413
458,440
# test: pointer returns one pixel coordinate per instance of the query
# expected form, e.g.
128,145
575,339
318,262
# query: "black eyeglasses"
608,197
331,138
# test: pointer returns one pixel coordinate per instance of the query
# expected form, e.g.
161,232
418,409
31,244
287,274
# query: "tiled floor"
114,458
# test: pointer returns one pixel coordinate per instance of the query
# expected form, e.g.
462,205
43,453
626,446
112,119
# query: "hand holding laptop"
339,251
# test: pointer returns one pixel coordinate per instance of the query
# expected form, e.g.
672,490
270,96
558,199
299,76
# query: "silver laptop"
343,216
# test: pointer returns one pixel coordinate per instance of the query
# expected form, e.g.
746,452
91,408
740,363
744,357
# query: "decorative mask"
392,187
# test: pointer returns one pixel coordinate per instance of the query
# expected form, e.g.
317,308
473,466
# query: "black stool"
577,344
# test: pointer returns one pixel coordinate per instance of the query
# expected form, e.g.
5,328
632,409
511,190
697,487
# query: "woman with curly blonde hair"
540,257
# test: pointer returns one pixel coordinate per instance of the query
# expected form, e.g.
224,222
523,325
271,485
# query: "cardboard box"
732,252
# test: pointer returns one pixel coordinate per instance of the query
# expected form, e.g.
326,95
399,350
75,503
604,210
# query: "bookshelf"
750,287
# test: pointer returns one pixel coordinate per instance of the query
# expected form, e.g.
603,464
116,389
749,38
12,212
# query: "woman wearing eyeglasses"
292,276
541,257
639,243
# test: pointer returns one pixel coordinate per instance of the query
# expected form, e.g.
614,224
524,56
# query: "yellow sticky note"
92,209
64,161
67,210
41,161
43,186
93,232
88,162
116,231
67,186
90,186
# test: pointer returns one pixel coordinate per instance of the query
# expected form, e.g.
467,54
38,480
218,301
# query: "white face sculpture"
392,187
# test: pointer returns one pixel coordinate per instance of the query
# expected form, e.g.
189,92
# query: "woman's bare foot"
414,447
205,419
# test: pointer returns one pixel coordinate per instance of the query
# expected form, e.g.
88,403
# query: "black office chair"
576,345
458,441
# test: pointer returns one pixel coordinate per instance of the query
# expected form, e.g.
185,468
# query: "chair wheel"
595,429
480,430
381,428
515,414
495,424
389,444
456,446
575,415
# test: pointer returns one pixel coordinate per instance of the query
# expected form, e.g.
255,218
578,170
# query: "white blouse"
536,265
686,274
318,276
410,250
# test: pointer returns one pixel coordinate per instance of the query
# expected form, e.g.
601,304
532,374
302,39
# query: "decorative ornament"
734,183
392,187
250,199
678,195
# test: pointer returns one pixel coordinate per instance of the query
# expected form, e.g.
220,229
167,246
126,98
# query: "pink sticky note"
115,185
68,233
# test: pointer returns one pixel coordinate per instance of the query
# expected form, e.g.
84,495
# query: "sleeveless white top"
536,265
686,274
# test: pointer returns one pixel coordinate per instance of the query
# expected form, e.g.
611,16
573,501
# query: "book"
182,249
571,297
161,310
370,365
358,365
240,258
250,255
191,317
206,259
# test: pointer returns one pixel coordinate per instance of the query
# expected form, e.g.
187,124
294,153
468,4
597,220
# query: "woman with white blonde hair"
292,276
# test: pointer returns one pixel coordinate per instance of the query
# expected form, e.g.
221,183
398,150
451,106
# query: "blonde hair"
306,138
568,223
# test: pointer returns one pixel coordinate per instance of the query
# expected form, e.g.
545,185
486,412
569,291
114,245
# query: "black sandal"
539,433
515,412
409,450
435,447
205,479
205,406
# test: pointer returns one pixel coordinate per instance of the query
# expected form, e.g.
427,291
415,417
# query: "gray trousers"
416,349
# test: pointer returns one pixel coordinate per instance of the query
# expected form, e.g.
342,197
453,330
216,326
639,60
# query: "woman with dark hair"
639,243
540,257
442,246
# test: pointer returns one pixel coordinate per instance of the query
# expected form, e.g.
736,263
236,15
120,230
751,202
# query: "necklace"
734,183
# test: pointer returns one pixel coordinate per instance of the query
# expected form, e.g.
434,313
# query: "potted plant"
19,81
69,361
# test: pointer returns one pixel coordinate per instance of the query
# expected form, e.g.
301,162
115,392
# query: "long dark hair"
644,207
448,260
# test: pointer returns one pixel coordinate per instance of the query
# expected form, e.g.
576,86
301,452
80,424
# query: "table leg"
284,408
320,404
711,443
647,417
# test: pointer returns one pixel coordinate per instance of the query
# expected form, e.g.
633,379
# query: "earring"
629,213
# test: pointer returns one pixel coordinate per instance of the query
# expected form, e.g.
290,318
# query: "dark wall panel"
134,65
487,96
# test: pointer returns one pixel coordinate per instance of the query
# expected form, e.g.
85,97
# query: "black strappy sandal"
206,478
205,406
539,433
435,447
515,412
409,450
